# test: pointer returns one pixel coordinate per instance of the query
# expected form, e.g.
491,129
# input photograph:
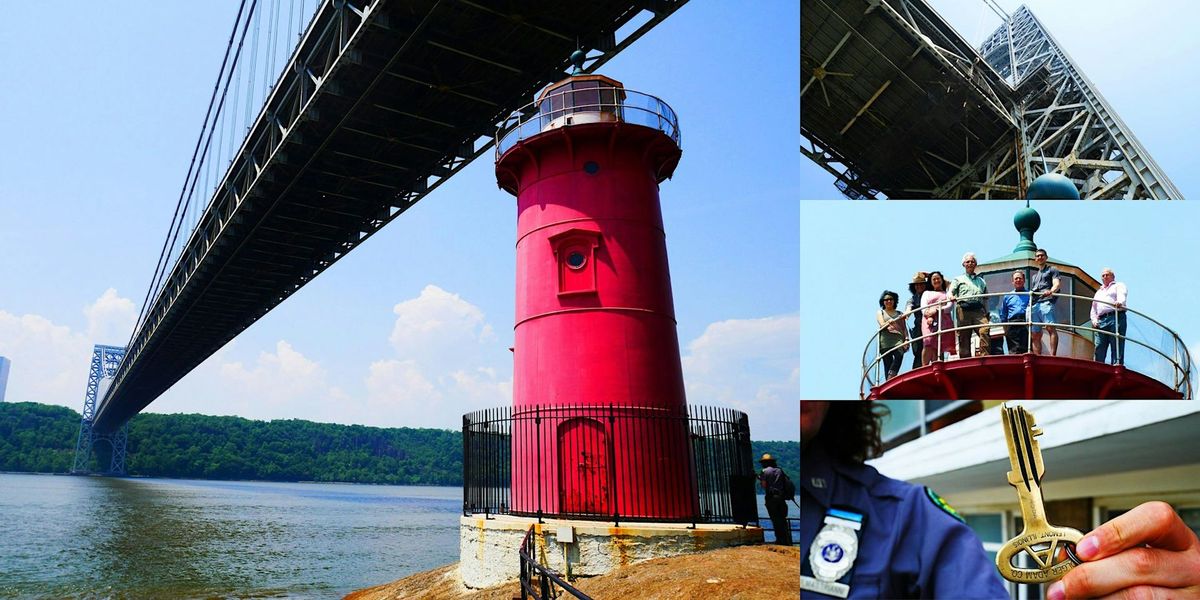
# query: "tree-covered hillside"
37,438
41,438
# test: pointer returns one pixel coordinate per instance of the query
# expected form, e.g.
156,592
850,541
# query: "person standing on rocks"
779,489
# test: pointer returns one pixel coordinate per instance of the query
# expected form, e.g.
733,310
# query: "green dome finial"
1027,222
577,58
1052,186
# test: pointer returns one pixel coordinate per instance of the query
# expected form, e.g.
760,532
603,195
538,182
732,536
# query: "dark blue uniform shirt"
908,548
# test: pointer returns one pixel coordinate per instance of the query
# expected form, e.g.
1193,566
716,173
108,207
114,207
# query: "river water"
98,537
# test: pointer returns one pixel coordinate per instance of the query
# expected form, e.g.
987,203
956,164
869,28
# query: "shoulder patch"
941,503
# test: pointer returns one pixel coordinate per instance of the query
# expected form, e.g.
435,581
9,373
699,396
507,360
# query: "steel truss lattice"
105,360
1066,126
895,102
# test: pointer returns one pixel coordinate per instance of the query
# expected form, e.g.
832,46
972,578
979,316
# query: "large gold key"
1050,548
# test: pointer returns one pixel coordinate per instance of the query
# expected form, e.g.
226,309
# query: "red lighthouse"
596,352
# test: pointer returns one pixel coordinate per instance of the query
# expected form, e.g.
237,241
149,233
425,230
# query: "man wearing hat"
915,289
773,481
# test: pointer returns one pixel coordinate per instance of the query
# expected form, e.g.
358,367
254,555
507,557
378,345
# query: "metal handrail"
1181,363
531,119
790,520
547,580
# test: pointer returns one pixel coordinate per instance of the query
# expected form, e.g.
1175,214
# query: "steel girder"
1066,125
894,101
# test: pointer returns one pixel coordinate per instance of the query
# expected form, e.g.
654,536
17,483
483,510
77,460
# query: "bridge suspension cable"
226,119
180,204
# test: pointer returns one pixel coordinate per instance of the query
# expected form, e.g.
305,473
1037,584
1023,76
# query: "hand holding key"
1148,552
1049,547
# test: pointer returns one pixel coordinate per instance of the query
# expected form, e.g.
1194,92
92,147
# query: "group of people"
932,332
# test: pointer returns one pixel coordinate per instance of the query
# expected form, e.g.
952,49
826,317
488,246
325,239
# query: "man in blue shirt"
1046,282
1014,308
863,535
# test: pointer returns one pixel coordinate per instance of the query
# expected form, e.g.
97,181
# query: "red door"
583,469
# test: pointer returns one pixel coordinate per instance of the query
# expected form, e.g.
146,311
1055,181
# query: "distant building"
4,365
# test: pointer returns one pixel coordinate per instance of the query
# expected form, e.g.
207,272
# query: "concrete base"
488,547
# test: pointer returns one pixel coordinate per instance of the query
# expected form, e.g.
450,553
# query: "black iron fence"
610,463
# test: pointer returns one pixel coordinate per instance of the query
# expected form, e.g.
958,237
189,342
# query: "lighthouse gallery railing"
718,445
604,104
1153,349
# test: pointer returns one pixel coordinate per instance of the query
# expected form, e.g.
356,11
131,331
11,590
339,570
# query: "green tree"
41,438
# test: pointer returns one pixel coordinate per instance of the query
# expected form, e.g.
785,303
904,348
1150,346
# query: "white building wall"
979,439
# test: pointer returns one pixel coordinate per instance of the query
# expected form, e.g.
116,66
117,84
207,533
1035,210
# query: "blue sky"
1142,60
413,327
852,251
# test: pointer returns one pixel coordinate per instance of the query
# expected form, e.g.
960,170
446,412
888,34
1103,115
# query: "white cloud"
110,319
276,380
447,361
399,394
284,384
50,361
50,364
482,387
437,328
751,365
446,364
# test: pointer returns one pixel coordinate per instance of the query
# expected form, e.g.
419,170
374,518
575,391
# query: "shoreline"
759,571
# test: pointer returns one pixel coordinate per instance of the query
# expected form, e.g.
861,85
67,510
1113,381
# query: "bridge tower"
105,360
595,320
1067,121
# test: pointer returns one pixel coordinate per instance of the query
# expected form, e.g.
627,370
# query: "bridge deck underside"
909,123
428,81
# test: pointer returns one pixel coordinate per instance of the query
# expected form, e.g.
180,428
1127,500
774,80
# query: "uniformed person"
863,535
772,481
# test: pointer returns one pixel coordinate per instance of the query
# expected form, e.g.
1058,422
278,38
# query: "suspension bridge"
308,150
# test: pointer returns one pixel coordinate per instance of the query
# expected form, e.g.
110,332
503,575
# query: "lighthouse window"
576,260
587,95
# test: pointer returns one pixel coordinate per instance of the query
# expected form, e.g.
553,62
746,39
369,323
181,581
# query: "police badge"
832,554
